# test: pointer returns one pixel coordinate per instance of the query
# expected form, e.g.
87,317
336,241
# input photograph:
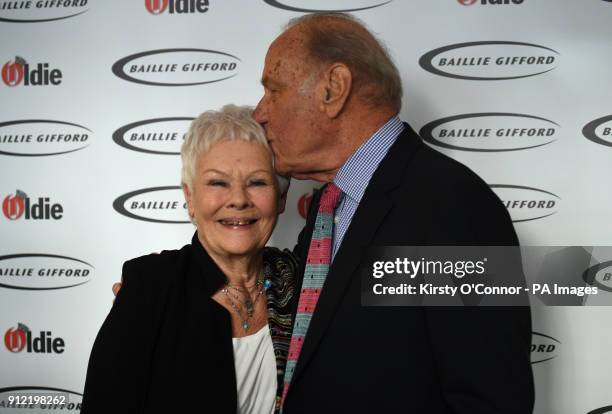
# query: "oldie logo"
176,6
599,275
490,60
309,6
526,203
156,205
154,136
177,67
42,137
18,72
490,132
489,2
21,338
543,347
38,271
35,11
19,205
56,400
599,131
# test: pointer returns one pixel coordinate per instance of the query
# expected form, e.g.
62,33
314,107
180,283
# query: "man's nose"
259,114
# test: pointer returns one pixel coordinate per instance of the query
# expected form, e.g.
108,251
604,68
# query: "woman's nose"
239,198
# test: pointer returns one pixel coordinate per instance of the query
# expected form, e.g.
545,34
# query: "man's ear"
336,88
189,200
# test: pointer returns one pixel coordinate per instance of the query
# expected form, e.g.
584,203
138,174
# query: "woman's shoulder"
154,268
153,260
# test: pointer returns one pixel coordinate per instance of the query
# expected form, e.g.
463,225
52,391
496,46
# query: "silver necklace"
249,303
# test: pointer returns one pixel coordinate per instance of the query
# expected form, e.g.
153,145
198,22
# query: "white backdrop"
519,92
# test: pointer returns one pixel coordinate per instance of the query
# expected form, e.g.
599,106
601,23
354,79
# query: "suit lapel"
372,210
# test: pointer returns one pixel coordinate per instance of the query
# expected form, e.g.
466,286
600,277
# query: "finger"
116,288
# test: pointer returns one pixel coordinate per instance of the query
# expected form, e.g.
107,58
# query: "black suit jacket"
413,360
166,346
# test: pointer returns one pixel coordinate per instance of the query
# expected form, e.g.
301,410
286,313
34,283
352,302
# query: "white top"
255,372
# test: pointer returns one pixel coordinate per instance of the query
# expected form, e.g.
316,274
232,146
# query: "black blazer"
166,346
413,360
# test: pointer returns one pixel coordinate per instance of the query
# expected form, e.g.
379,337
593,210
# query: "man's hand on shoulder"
117,287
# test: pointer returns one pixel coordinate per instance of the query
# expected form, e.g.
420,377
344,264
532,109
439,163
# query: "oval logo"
490,60
599,131
72,400
599,275
154,136
37,271
543,347
607,409
42,11
156,205
490,132
177,67
526,203
42,137
312,6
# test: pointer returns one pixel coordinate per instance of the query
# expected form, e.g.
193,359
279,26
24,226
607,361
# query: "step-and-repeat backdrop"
96,96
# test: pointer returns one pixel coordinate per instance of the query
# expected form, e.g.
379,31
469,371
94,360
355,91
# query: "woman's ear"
189,200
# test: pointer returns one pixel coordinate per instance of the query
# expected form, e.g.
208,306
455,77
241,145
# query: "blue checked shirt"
354,176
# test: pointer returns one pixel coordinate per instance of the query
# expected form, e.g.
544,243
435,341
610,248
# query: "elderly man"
330,110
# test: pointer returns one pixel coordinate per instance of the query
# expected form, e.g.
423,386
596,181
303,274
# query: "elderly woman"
205,328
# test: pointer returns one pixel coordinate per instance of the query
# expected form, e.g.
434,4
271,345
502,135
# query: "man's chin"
282,169
298,176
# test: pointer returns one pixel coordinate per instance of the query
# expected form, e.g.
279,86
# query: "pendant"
245,325
249,307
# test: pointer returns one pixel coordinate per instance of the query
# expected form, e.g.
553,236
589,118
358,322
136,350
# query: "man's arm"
482,357
483,353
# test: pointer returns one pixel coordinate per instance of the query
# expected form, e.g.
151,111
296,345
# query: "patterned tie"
315,272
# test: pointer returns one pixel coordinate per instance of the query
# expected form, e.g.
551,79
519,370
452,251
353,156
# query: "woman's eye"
258,183
217,183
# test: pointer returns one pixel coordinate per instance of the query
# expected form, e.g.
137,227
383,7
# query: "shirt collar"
354,176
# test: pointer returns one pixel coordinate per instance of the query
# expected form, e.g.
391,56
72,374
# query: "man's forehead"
290,44
282,63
